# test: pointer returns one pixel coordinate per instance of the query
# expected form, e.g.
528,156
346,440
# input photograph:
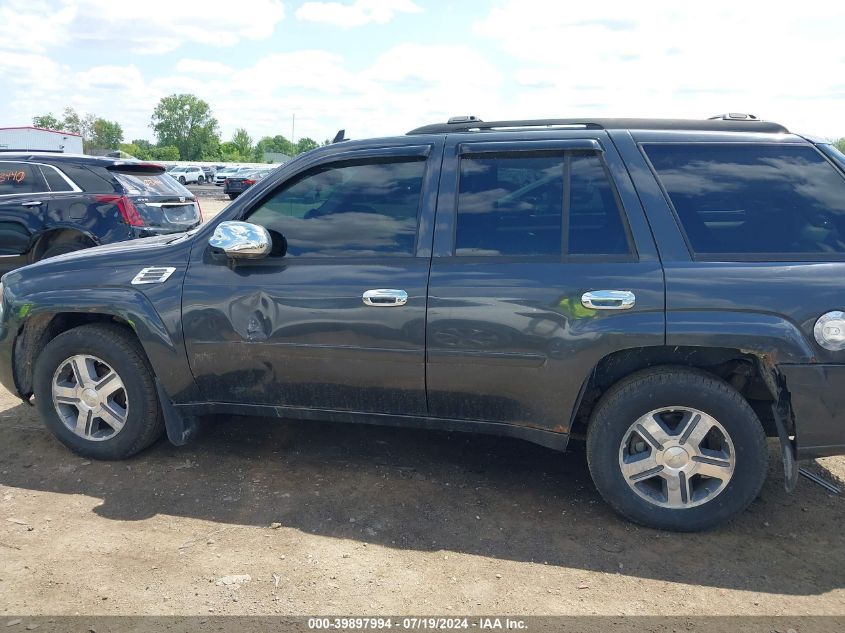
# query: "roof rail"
732,122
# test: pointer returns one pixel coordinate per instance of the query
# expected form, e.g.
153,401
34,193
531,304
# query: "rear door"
338,320
23,204
525,231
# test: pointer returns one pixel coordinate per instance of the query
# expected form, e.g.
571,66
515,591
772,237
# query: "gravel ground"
269,517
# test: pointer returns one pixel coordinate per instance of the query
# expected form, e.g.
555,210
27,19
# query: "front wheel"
181,180
96,394
676,449
232,196
200,180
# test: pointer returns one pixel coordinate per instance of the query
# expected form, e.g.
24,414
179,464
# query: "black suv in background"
52,203
673,291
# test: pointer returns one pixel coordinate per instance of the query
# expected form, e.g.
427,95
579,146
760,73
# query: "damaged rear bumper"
817,394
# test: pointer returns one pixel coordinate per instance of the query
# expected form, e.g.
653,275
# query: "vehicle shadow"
423,490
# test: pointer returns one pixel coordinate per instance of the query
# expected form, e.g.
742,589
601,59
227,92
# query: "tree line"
184,129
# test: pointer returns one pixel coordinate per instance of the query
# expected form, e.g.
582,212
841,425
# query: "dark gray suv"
670,290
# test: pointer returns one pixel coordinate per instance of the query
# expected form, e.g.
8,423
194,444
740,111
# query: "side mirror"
241,240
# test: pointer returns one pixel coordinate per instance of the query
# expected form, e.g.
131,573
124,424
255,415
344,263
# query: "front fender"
41,315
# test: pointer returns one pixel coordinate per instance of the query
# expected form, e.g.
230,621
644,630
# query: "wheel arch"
752,373
61,312
56,235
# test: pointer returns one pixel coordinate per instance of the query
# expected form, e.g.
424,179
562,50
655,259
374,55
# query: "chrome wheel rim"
677,457
90,398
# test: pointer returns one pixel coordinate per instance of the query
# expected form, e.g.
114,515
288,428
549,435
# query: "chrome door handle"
385,298
37,203
608,299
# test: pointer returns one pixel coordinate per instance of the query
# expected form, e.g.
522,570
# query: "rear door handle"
609,299
385,298
36,203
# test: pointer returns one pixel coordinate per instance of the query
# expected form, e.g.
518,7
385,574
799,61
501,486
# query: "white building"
40,138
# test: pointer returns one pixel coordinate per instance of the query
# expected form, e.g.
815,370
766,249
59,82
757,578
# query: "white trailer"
40,138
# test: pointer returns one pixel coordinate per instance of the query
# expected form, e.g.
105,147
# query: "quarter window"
358,209
54,179
753,199
523,204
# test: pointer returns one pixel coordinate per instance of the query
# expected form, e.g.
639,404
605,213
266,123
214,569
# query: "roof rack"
732,122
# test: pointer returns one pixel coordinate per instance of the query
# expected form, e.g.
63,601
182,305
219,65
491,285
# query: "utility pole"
293,128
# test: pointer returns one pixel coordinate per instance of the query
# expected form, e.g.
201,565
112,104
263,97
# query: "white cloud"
150,27
358,13
616,59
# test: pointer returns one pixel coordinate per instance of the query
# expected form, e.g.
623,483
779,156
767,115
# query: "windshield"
152,185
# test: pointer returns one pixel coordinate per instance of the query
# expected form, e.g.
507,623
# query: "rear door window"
20,178
762,200
534,204
54,179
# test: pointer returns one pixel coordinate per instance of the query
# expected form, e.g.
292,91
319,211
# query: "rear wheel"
65,246
232,196
96,394
677,449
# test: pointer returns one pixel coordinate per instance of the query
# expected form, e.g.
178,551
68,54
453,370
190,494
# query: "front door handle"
609,299
36,203
385,298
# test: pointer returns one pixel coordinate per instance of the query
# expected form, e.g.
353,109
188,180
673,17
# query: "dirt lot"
374,520
268,517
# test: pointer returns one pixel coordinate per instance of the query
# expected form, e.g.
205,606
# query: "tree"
47,121
165,152
242,142
840,145
277,144
79,124
185,122
305,144
106,134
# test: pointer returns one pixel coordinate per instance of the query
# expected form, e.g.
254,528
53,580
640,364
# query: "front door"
530,237
335,317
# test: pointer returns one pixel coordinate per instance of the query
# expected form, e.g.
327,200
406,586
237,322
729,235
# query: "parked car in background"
221,174
53,203
187,175
670,290
209,173
236,184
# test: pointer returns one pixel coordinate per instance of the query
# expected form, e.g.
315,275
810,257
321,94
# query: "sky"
383,67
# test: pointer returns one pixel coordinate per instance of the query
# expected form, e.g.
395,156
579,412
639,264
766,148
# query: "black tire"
200,180
67,246
649,390
232,196
111,343
181,180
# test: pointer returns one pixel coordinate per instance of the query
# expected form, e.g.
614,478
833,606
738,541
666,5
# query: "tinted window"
20,178
54,179
595,222
510,206
89,178
152,185
754,198
351,209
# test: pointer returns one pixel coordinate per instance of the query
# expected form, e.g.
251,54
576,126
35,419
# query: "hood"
149,251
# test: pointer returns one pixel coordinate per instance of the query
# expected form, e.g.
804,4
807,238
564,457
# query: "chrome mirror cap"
241,240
